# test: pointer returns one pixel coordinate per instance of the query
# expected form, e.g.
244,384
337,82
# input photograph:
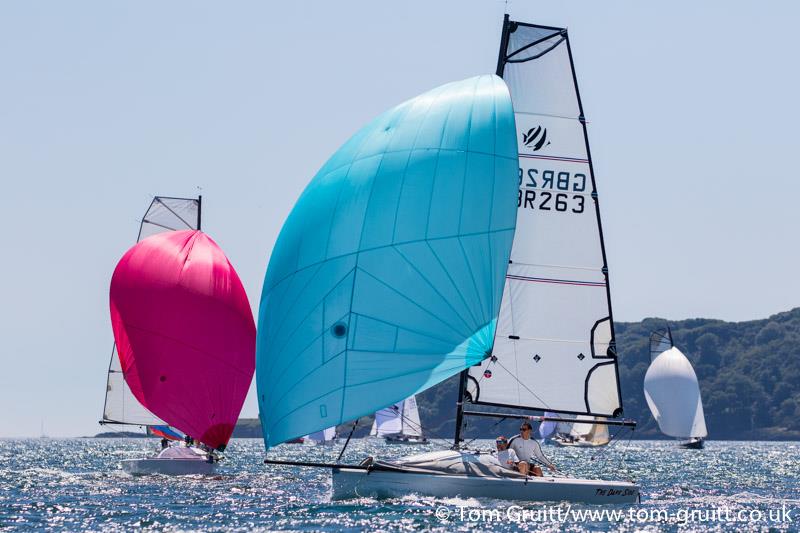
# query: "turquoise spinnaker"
387,276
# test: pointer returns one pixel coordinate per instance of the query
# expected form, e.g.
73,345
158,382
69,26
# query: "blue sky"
692,110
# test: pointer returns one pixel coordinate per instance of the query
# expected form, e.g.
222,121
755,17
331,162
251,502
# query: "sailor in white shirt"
529,451
507,458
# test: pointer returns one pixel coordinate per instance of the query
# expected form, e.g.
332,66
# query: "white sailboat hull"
168,466
352,483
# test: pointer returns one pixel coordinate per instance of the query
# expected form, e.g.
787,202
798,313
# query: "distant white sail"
326,435
398,419
121,406
660,342
564,427
589,431
388,421
673,395
412,426
548,427
582,426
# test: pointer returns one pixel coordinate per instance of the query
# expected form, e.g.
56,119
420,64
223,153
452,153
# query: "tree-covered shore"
749,375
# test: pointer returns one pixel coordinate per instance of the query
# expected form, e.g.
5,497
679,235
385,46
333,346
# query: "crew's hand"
552,468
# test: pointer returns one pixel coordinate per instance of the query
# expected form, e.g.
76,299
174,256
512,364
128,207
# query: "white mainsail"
388,421
399,419
673,395
660,342
121,406
554,344
412,426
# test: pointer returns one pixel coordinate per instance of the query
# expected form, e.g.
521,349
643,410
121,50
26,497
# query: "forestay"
554,347
163,214
387,275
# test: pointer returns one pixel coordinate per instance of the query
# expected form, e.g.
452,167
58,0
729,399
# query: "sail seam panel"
415,304
428,282
452,281
412,241
295,300
300,323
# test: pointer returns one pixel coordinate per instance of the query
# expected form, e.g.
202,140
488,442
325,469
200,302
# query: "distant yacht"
585,432
399,423
672,392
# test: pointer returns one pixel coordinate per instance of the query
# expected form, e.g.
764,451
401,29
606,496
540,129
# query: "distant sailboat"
388,277
121,407
673,393
185,338
585,432
399,423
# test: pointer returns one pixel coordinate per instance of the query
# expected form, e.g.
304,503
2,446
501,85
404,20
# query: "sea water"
77,484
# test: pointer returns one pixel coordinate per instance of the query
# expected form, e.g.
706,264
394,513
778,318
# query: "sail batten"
554,344
386,276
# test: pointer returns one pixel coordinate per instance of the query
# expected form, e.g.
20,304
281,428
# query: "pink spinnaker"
185,333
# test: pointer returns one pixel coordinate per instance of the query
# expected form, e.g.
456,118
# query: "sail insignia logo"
535,138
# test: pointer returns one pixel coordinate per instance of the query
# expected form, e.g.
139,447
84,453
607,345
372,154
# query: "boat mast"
199,209
462,384
462,389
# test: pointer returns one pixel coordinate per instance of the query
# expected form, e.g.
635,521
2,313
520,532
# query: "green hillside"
749,376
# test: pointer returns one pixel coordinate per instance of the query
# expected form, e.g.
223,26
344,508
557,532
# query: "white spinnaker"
388,421
163,214
553,347
673,395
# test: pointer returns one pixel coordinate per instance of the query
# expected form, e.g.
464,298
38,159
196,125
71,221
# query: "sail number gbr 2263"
548,190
